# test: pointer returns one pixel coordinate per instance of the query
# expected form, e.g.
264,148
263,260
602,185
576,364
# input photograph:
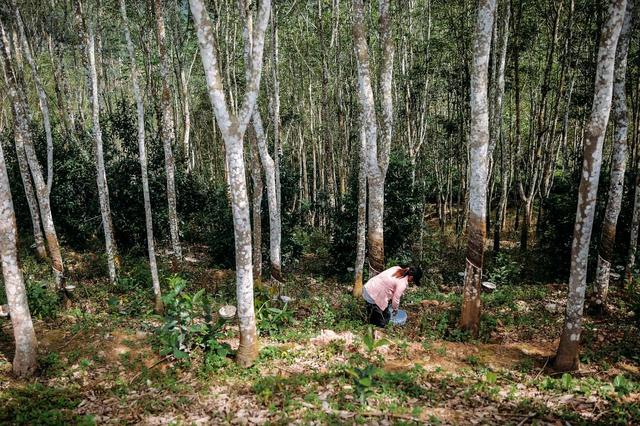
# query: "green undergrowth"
110,346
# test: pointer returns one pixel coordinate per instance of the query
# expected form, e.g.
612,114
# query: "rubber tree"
24,143
233,127
268,164
142,152
618,166
24,359
567,355
167,131
377,150
42,96
88,34
479,167
361,228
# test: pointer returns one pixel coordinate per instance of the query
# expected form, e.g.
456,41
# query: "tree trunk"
42,97
479,166
362,214
101,177
567,356
167,133
616,184
377,153
275,114
24,141
232,129
256,203
142,150
30,195
275,222
24,360
633,241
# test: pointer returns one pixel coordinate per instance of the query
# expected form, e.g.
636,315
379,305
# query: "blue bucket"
400,318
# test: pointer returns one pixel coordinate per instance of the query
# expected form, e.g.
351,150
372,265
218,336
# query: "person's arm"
401,286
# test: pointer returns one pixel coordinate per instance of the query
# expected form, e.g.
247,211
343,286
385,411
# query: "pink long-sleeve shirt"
384,287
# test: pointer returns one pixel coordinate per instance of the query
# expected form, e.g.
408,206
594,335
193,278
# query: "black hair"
413,271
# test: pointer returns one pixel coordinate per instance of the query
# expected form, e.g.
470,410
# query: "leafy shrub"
43,301
505,270
272,314
188,325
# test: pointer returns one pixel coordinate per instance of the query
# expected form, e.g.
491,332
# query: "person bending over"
382,293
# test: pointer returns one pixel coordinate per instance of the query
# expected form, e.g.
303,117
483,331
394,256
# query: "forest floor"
101,361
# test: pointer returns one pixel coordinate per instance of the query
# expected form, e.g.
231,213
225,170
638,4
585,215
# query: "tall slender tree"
167,131
361,227
42,96
88,33
142,151
618,166
479,167
633,237
377,150
24,359
567,355
24,143
233,128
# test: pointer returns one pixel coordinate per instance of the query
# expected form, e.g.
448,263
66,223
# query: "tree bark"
101,177
42,97
233,128
24,360
567,356
142,151
633,238
275,222
377,153
24,141
618,166
479,167
30,195
256,202
362,214
167,133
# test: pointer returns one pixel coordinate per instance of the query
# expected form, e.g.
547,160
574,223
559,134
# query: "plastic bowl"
227,312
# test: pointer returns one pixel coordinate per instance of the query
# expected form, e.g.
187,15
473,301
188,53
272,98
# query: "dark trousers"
377,316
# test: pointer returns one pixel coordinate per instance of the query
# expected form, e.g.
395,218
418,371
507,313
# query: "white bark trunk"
362,215
618,166
277,144
275,222
167,133
42,99
24,360
24,141
478,166
142,150
567,355
101,177
633,238
256,201
377,154
232,129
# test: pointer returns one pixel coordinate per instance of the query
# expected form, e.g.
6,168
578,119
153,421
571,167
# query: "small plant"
566,382
505,269
271,315
622,385
363,379
188,326
370,341
490,377
43,301
473,360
